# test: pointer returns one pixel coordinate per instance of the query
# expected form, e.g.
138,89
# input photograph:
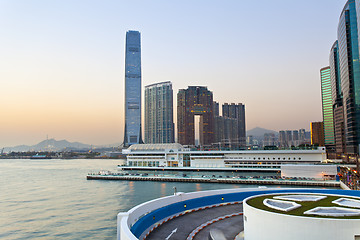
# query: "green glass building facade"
327,107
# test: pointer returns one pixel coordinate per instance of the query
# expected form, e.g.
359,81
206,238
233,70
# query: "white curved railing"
125,220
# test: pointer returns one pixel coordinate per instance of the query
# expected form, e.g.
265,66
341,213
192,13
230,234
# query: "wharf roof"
156,147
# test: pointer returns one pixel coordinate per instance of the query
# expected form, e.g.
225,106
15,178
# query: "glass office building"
132,134
357,6
337,101
327,108
159,123
348,47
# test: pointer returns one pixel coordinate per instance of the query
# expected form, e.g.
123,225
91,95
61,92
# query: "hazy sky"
62,61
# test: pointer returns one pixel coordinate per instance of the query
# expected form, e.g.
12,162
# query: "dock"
314,183
197,169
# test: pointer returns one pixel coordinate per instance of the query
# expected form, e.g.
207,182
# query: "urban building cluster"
290,138
321,211
195,102
340,86
284,139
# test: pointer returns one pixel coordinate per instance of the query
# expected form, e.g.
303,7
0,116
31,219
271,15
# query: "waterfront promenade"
214,179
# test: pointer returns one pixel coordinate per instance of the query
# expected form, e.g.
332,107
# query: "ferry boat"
38,156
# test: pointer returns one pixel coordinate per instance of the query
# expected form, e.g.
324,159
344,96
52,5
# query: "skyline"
63,62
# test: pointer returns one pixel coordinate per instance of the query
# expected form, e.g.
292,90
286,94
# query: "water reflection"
51,199
131,186
163,189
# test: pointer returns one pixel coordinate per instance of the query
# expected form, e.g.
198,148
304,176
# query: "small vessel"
38,156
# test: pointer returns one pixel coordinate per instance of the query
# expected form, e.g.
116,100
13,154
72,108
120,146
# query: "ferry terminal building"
174,155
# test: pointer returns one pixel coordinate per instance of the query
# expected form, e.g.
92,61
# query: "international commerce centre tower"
132,133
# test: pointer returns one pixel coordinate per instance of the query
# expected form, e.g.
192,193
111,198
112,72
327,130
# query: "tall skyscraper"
226,132
302,136
348,43
216,109
327,108
357,6
337,100
132,134
288,137
219,133
282,139
237,111
195,101
269,139
295,138
159,123
317,133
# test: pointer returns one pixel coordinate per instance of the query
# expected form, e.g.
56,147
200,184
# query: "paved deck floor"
185,224
230,227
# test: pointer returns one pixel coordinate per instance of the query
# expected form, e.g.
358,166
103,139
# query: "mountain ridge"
259,132
54,145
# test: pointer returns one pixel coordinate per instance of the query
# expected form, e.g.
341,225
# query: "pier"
314,183
202,169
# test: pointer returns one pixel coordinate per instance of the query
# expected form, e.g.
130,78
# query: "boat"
38,156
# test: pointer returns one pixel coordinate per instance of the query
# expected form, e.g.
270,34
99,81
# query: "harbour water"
51,199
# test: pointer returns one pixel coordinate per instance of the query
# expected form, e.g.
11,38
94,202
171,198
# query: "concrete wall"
260,224
310,171
208,163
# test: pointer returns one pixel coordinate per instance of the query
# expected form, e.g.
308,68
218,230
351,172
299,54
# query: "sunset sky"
62,61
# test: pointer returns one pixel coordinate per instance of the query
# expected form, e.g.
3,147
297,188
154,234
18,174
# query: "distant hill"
259,132
49,145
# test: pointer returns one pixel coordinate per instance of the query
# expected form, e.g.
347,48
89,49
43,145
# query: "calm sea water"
51,199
